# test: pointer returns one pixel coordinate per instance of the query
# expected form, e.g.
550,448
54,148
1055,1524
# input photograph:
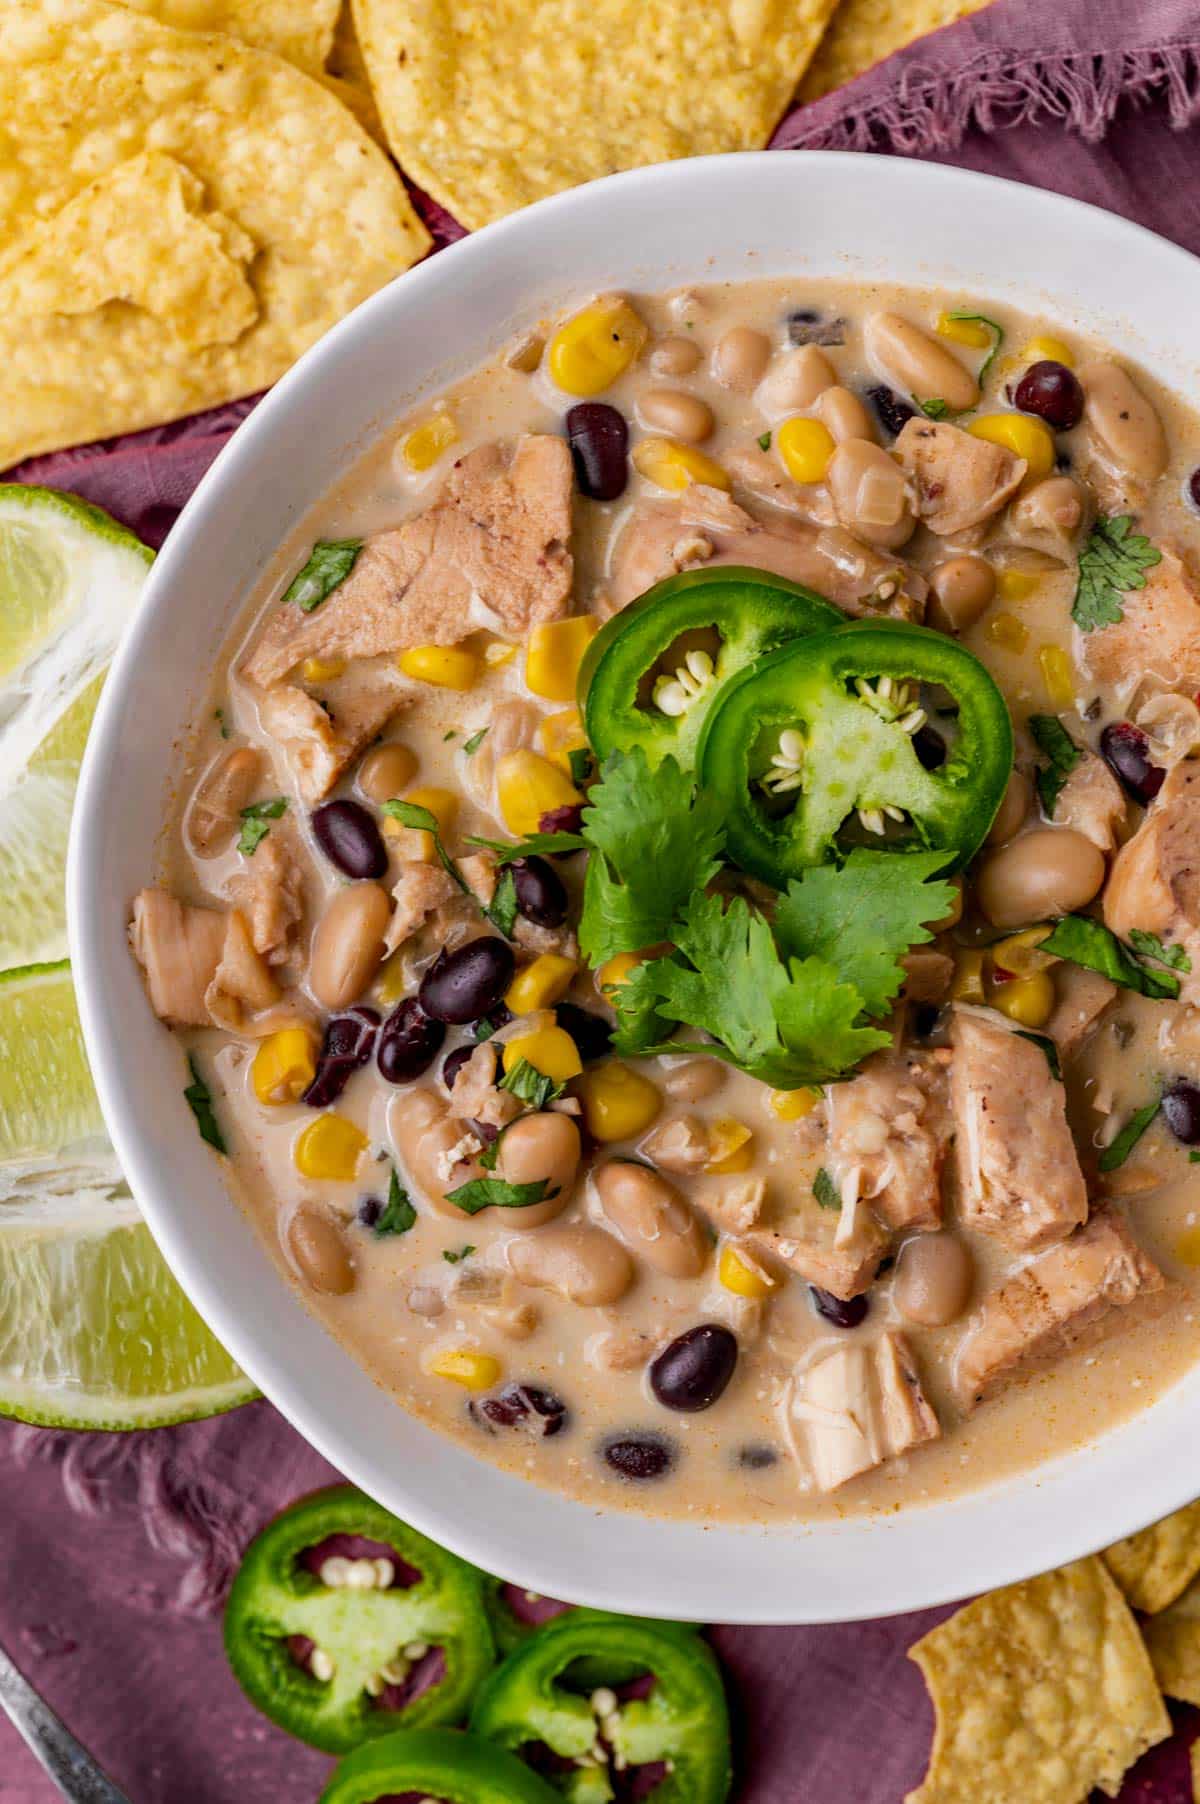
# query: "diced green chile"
274,1596
436,1763
751,612
794,750
683,1721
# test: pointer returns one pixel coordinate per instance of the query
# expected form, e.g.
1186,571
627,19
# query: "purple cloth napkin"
116,1551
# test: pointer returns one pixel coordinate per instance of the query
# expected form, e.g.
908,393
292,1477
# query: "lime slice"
33,592
94,1331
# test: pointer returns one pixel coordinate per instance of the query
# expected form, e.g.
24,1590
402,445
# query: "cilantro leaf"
198,1098
1148,945
863,918
764,441
529,1085
537,845
411,814
222,724
581,764
256,823
501,911
495,1193
1089,943
457,1258
1113,562
472,745
826,1191
1048,1047
1056,744
994,325
655,840
398,1213
1118,1150
329,564
935,408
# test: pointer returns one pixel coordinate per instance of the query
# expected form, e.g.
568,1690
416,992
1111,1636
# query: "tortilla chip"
180,238
863,32
1173,1638
490,104
1153,1568
347,76
300,31
1041,1691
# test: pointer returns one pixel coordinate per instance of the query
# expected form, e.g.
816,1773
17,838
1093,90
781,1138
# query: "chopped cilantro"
530,1085
1048,1047
472,745
398,1213
501,911
329,564
198,1098
1194,1156
1148,945
934,409
537,845
994,325
457,1258
1113,562
256,823
411,814
764,441
826,1191
452,733
495,1193
1118,1150
222,724
1087,942
1055,744
581,764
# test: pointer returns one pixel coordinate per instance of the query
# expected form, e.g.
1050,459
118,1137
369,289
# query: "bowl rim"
1042,1503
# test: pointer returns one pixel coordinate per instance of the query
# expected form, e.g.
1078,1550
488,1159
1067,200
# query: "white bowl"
810,215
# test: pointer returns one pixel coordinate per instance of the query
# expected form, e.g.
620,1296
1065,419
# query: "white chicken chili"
682,901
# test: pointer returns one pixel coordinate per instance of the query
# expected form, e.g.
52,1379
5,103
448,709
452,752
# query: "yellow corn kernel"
1051,350
967,983
615,970
284,1065
1021,953
1187,1247
805,447
1021,434
1006,631
742,1274
674,466
497,652
618,1102
1029,1001
1058,674
595,346
541,984
555,653
474,1371
422,447
529,786
322,670
730,1146
550,1050
970,332
1016,585
793,1105
330,1147
415,842
393,980
561,734
446,666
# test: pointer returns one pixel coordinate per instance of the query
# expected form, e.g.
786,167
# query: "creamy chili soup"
659,1013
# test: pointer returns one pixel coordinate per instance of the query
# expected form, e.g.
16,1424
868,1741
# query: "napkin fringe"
929,110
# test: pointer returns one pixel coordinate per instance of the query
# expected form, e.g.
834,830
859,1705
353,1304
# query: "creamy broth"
400,1302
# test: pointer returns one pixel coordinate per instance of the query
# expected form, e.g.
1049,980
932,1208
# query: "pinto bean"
578,1262
674,357
386,771
544,1146
1047,871
794,380
869,493
1018,799
918,363
1124,420
317,1248
425,1132
740,358
674,411
845,415
653,1217
224,791
695,1080
347,947
933,1282
960,590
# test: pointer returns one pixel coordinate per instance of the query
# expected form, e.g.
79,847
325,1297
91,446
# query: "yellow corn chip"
1173,1638
490,104
301,31
863,32
1041,1692
180,217
347,75
1153,1568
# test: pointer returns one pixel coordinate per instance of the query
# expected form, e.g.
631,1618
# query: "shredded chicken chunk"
1083,997
1158,636
888,1137
320,741
477,1097
858,1406
958,481
839,1251
270,891
1154,883
179,948
1091,801
419,889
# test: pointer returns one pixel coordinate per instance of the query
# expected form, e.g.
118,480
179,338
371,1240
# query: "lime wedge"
94,1331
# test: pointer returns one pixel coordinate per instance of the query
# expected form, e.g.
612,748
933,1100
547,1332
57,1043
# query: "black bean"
348,1042
925,1019
1126,751
639,1456
1181,1110
892,410
369,1211
843,1312
929,746
599,441
591,1033
347,834
453,1063
805,326
408,1042
541,895
535,1411
567,819
1193,488
460,986
694,1370
491,1023
1053,392
756,1458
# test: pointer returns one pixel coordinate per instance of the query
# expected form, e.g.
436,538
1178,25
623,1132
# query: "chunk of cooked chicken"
494,543
858,1406
319,738
477,1096
480,872
1092,801
1082,997
1154,883
179,948
1070,1295
838,1250
958,481
888,1138
243,983
1158,636
419,889
704,526
1018,1171
270,891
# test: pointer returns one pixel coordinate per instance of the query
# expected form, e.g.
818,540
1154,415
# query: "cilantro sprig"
993,325
1118,1150
198,1098
497,1193
423,820
1061,753
397,1215
1113,562
1090,943
256,823
329,564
